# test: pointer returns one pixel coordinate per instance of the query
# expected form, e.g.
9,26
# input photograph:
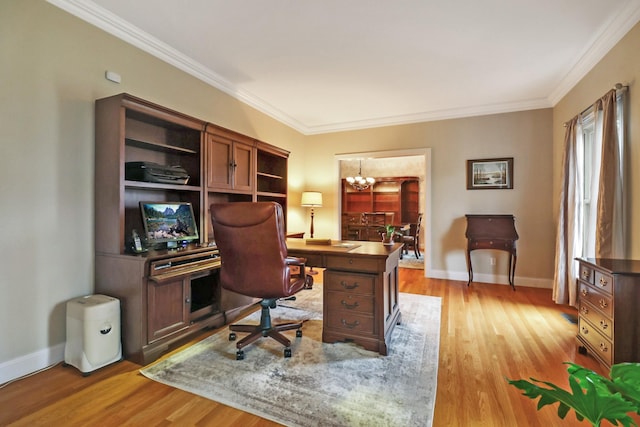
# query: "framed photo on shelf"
490,174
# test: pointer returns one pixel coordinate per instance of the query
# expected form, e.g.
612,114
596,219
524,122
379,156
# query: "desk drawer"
597,343
350,323
601,301
348,301
506,245
603,323
352,263
349,282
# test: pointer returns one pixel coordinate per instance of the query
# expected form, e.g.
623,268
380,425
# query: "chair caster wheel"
299,333
239,355
232,336
287,352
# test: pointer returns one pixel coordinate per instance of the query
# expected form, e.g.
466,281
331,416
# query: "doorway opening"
409,162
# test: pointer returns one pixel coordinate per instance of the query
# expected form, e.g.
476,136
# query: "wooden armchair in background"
412,239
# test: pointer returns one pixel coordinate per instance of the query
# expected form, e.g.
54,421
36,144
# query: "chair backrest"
418,224
251,240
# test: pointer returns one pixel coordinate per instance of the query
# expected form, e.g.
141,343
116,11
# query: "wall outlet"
492,261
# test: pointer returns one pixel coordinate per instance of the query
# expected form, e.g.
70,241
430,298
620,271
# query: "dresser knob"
584,292
585,274
603,347
603,303
585,331
604,324
584,310
603,282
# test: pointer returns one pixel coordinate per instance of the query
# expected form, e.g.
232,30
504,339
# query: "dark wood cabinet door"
219,162
168,308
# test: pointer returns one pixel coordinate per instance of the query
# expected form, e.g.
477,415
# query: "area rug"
409,260
338,384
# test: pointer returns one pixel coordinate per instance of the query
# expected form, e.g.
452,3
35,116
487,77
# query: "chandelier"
359,182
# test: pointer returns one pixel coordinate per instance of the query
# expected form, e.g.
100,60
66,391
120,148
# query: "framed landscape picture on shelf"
486,174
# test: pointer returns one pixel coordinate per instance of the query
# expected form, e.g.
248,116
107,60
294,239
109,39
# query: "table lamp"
311,199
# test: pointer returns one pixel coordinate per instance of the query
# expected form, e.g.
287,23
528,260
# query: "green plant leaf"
591,397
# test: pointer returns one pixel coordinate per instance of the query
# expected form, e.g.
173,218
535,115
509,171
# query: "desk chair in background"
251,240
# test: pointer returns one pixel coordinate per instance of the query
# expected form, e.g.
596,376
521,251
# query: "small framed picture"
488,174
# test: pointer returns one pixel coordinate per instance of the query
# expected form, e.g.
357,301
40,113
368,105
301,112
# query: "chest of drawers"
608,310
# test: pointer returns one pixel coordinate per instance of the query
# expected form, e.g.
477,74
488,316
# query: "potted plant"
387,234
593,397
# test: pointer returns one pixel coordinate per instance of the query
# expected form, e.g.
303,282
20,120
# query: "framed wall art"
488,174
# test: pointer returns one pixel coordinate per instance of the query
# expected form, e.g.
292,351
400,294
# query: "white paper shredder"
93,332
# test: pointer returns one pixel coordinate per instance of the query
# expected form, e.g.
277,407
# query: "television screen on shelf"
168,222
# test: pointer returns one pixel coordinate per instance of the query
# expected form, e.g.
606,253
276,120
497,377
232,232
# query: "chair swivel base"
264,329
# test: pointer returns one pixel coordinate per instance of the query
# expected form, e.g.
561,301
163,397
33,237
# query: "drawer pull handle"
585,274
585,331
350,325
350,306
584,310
349,287
584,292
603,303
604,324
603,282
603,347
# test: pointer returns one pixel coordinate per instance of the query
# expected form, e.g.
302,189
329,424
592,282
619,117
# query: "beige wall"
525,136
52,67
620,65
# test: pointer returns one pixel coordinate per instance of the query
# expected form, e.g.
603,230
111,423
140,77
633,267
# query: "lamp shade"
311,199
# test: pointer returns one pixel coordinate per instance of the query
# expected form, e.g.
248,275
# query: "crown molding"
116,26
610,34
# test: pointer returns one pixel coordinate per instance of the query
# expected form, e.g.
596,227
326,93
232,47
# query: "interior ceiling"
330,65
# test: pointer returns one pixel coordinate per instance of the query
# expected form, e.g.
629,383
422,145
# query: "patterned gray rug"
322,384
409,260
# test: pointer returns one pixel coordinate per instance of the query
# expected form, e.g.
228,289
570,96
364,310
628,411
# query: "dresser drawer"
599,300
597,343
352,263
349,323
349,301
603,323
586,273
603,282
349,282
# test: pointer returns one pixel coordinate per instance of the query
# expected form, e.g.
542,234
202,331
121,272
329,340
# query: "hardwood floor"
488,333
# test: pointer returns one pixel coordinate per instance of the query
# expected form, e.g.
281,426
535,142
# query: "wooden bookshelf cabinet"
167,295
397,197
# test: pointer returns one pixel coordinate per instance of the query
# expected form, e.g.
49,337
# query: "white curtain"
605,232
568,236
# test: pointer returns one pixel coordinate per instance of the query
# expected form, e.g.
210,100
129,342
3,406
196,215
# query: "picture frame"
490,174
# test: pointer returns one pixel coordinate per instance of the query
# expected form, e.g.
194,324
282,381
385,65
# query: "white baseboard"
529,282
30,363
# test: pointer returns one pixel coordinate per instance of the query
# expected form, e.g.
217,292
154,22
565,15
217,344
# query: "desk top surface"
350,247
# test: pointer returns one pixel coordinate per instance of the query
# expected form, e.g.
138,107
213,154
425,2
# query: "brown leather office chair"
251,240
412,239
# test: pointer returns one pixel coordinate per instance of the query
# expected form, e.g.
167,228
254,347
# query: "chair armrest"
299,262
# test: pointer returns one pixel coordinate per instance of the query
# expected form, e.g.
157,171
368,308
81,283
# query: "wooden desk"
360,290
492,232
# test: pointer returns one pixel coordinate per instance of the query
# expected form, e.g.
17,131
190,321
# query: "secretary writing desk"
360,290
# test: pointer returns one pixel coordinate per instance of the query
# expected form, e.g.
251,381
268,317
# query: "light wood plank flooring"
488,333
